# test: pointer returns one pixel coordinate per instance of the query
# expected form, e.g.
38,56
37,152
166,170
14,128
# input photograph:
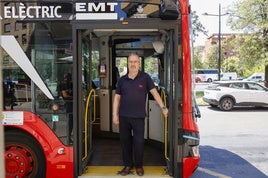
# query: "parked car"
227,94
256,77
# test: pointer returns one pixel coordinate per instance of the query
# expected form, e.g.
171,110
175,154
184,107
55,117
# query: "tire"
213,105
226,104
24,154
209,80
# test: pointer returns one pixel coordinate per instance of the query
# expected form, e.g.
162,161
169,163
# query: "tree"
213,56
197,25
231,64
197,28
197,57
251,16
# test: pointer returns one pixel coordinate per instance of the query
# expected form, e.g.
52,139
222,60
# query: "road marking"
207,171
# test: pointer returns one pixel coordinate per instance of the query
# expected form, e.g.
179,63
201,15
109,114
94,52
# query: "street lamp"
219,38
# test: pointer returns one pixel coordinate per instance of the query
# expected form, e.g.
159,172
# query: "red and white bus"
206,75
41,40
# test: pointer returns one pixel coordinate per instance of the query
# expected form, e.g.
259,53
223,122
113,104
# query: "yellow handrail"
86,120
163,96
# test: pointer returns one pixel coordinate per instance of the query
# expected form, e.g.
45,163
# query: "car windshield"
255,86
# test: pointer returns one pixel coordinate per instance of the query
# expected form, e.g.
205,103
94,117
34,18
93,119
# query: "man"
129,112
66,90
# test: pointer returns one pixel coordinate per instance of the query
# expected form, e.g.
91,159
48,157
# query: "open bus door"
85,100
111,47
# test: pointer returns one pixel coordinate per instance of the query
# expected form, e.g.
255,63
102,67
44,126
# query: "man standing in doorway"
129,112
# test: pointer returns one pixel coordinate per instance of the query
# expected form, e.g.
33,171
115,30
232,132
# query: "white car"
256,77
227,94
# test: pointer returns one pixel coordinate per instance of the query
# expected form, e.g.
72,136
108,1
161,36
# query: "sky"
211,23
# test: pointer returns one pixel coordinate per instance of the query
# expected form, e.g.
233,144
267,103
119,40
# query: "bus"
206,75
43,40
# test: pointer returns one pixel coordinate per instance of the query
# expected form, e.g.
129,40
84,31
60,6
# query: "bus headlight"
61,151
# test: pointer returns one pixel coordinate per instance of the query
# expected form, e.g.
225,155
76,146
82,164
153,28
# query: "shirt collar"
139,73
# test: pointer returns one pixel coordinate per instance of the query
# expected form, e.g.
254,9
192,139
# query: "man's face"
133,63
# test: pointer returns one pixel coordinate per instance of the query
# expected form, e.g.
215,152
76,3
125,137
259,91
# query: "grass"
199,100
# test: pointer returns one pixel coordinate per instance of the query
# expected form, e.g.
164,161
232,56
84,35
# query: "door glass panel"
50,52
151,67
121,64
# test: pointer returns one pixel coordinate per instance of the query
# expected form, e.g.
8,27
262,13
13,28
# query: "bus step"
111,172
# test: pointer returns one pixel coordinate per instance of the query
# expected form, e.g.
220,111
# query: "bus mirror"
158,47
168,10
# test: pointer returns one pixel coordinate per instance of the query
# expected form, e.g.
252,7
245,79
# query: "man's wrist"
164,107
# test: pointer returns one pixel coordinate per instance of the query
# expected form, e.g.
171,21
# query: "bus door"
110,43
84,99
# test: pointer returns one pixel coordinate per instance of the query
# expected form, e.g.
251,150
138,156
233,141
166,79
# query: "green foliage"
231,64
95,63
197,58
197,25
212,57
251,55
251,16
149,66
250,48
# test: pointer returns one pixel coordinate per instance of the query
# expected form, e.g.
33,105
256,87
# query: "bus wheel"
23,156
226,104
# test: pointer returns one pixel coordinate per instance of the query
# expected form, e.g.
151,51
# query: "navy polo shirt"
133,94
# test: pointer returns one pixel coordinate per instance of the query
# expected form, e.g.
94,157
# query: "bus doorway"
97,138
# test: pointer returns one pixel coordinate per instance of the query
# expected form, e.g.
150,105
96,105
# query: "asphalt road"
233,144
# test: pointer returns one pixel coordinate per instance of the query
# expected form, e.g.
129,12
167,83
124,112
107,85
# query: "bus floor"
106,159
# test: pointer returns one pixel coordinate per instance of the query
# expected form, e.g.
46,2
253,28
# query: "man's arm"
116,109
159,101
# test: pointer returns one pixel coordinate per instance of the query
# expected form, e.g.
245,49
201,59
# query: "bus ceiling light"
168,10
158,47
61,151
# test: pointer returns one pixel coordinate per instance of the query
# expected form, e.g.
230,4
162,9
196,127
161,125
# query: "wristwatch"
164,107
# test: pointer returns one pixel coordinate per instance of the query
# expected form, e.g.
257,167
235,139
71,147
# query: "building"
21,30
227,49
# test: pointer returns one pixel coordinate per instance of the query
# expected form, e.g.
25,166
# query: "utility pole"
219,38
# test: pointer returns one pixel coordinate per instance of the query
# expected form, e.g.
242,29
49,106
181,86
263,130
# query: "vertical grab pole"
163,96
86,119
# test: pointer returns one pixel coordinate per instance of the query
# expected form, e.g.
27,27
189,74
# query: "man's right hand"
116,120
